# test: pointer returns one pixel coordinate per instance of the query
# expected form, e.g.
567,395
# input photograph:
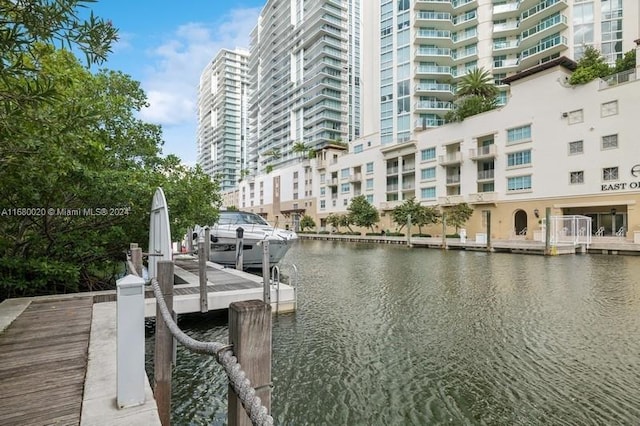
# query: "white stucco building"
427,46
568,148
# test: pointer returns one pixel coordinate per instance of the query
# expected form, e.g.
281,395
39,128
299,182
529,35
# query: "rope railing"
224,356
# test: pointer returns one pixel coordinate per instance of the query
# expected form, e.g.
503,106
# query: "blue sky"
165,45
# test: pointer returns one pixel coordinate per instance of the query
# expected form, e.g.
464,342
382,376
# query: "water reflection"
389,335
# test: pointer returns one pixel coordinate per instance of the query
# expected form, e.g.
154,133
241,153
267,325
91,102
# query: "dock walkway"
58,353
43,362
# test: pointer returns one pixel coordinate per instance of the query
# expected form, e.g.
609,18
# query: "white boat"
255,230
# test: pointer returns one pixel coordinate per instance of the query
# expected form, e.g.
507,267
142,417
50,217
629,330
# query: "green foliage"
307,222
476,94
458,215
420,215
192,197
477,82
362,213
592,65
337,220
78,173
269,168
627,62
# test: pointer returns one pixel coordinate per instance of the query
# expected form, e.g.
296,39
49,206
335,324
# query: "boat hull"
224,252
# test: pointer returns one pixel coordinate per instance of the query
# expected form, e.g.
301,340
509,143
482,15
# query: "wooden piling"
250,335
136,258
202,275
164,345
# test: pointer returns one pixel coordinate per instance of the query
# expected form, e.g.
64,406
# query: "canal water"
386,335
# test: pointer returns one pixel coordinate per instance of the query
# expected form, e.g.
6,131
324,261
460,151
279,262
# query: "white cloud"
172,78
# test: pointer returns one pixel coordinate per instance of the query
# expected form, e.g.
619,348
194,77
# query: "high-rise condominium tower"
305,79
222,117
427,46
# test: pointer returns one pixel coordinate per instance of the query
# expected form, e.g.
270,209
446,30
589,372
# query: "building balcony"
432,71
483,198
483,152
450,200
463,5
546,47
440,89
332,182
439,38
408,186
450,159
428,123
465,55
502,11
506,65
392,171
392,188
465,19
510,28
531,36
548,7
506,47
485,175
321,164
408,168
436,20
357,177
441,55
467,36
436,5
453,180
433,106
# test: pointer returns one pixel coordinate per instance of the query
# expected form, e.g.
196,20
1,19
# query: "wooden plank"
43,356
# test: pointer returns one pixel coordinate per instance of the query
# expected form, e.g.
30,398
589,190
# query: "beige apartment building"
571,149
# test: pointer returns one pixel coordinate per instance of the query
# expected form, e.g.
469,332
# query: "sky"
165,45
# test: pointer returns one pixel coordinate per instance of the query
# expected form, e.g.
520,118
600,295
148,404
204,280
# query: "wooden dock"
43,362
46,350
224,286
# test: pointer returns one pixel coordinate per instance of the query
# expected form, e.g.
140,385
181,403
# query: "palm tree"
274,153
478,82
300,147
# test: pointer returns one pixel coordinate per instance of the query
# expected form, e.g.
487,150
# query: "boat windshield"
233,218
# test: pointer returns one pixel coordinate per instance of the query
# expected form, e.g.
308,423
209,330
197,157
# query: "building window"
345,202
344,173
357,149
323,191
345,187
610,142
369,184
576,177
428,193
370,198
322,178
576,147
369,168
609,108
428,154
323,204
428,174
610,173
519,158
519,183
519,134
576,116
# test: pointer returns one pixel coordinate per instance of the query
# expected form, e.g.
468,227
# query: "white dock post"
130,341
